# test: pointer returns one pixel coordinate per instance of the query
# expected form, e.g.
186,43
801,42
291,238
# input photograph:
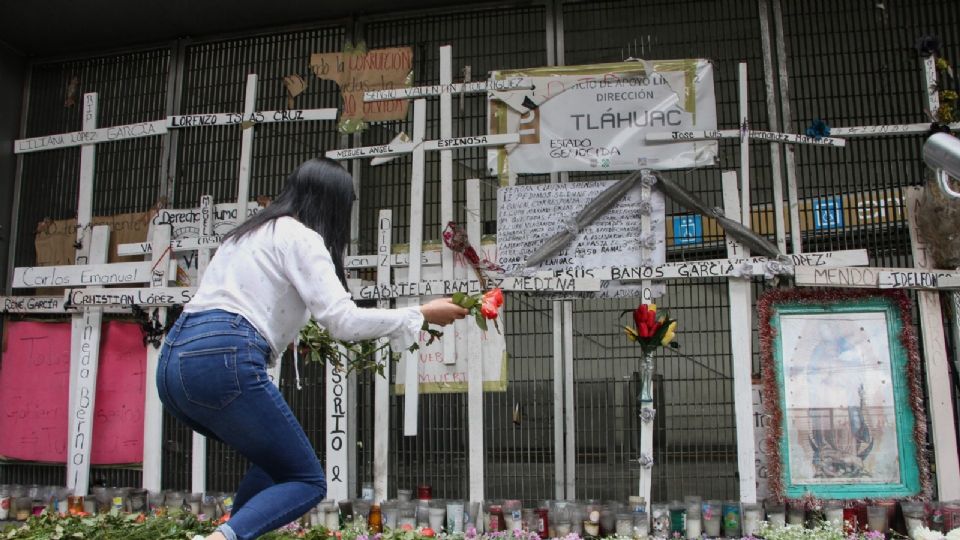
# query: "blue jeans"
212,376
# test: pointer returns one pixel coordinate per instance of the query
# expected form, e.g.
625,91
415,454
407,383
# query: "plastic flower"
483,307
649,330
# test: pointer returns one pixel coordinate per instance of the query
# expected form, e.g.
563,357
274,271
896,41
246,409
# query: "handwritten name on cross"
417,146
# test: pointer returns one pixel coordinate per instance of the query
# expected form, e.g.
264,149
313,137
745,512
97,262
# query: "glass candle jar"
711,513
331,516
455,517
436,518
660,520
914,515
833,512
796,515
776,515
404,495
678,518
641,525
731,519
752,516
877,518
624,524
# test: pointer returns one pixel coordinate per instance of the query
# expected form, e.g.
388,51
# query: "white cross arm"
877,278
44,304
455,88
93,136
257,117
177,246
143,297
390,150
734,267
553,284
86,275
351,262
892,129
769,136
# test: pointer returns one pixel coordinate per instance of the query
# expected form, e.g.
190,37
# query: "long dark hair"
318,194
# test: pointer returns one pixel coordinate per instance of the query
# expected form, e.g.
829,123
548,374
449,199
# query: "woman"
270,274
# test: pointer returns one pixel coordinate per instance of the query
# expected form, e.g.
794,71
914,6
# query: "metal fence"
848,63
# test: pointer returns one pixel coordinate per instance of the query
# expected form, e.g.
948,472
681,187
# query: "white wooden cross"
86,324
417,147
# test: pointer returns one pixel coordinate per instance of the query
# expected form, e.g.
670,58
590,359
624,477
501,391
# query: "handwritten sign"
436,372
357,72
34,393
54,240
596,117
256,117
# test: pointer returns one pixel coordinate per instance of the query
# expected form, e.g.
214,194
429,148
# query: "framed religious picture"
841,383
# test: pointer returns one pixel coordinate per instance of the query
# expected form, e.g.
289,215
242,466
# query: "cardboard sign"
359,71
54,240
34,379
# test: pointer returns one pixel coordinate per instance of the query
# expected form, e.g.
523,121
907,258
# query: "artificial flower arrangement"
317,345
650,331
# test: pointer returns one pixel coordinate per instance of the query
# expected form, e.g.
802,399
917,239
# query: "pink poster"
34,393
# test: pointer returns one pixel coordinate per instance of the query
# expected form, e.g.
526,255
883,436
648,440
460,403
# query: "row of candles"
691,518
20,502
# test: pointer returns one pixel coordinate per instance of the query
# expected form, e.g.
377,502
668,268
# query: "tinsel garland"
766,307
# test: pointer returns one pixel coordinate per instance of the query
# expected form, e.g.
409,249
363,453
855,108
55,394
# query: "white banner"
596,117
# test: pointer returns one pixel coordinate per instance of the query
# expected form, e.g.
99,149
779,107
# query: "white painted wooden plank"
381,150
559,461
570,452
939,400
82,275
744,150
143,297
470,141
446,187
713,267
417,92
336,436
741,344
885,130
427,258
472,286
246,150
646,428
381,385
477,444
43,304
85,190
768,136
253,117
411,375
772,96
84,363
153,409
198,455
90,136
450,143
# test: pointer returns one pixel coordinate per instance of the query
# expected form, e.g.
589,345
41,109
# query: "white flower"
923,533
954,534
